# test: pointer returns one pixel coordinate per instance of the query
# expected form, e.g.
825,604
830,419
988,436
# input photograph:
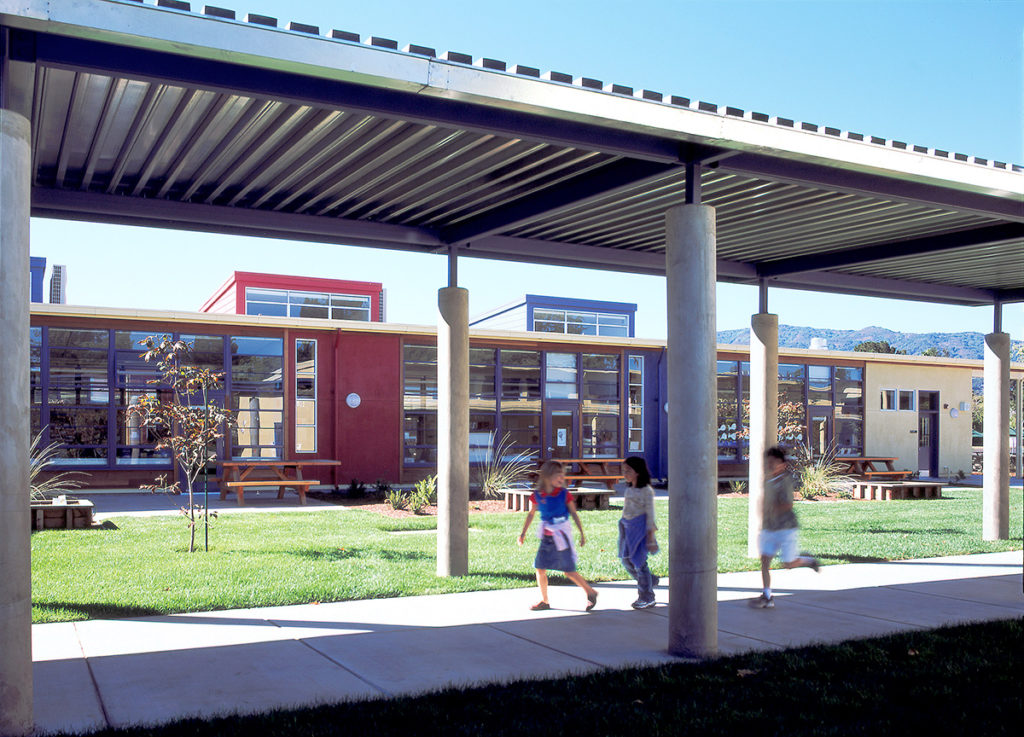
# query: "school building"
311,372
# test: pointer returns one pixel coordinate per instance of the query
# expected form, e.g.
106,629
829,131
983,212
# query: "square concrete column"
764,414
692,431
15,571
996,474
453,432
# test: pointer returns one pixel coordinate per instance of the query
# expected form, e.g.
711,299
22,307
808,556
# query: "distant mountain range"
957,345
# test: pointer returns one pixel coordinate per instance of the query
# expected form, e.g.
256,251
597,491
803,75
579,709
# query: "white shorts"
770,542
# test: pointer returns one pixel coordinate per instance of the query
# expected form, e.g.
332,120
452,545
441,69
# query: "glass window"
523,430
819,385
420,438
420,376
257,397
305,396
35,383
560,376
82,432
906,399
728,418
600,377
636,404
520,376
600,435
481,435
849,392
888,399
481,373
321,305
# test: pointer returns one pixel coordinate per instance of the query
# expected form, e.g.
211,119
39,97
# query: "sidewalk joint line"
344,667
92,678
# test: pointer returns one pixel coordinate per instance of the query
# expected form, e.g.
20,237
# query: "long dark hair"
643,476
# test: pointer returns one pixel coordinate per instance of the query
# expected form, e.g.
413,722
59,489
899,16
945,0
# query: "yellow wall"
889,433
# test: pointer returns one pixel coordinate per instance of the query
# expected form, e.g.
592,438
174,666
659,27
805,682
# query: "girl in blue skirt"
556,551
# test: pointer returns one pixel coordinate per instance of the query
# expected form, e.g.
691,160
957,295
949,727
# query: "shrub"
738,487
381,488
503,468
356,489
819,476
397,498
39,458
424,494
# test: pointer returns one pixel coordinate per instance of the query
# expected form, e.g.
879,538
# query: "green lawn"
139,566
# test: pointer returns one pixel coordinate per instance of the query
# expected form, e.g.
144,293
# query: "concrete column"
692,431
996,517
453,432
764,414
15,573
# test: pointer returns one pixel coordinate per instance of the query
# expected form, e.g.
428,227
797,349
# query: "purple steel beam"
234,220
612,176
897,249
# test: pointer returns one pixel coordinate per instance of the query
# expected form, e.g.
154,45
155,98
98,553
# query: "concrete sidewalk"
89,675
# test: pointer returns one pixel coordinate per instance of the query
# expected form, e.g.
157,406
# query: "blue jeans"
644,579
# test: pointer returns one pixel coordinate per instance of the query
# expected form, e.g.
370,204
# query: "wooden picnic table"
864,467
606,470
287,474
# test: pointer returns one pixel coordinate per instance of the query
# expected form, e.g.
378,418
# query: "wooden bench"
896,475
891,490
301,486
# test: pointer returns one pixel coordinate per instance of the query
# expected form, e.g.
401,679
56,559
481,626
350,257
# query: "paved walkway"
156,669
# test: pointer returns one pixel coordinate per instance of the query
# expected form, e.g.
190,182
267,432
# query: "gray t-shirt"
638,501
778,503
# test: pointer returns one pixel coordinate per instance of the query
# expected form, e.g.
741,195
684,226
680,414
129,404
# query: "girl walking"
636,529
556,551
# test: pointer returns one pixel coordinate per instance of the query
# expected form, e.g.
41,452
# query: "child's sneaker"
643,603
762,602
815,564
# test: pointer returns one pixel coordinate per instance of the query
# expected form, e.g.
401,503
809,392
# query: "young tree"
187,419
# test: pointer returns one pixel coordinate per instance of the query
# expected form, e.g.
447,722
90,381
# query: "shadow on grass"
508,575
348,553
97,610
853,558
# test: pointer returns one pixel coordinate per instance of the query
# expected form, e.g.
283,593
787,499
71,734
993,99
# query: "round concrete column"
764,414
15,581
692,431
996,522
453,432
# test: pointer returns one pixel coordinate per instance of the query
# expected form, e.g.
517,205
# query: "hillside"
958,345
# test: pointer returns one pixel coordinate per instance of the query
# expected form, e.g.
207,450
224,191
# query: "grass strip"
138,566
955,680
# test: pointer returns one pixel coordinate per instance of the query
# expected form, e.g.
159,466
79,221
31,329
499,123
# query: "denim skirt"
550,558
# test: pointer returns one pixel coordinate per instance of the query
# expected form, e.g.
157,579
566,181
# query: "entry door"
819,433
928,433
563,438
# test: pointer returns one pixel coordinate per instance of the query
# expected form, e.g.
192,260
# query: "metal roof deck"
159,116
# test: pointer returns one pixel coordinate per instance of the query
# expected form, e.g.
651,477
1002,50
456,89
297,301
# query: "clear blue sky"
939,74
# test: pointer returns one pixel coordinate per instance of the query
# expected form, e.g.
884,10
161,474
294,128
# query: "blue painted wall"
37,269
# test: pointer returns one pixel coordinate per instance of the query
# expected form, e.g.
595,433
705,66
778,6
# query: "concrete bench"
301,486
891,490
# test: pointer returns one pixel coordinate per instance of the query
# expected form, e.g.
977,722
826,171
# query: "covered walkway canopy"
124,112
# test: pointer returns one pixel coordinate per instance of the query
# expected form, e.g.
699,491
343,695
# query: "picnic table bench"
287,475
518,500
864,467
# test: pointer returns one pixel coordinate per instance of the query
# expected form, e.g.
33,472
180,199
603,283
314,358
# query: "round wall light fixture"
353,400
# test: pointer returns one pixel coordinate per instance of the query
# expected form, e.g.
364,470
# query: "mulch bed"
482,506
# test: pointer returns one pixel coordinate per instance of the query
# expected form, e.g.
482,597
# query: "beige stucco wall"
894,433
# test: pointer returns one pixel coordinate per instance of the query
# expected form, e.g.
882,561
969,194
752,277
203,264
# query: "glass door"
928,433
819,428
563,438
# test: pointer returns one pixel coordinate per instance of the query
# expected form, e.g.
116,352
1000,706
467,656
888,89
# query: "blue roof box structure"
548,314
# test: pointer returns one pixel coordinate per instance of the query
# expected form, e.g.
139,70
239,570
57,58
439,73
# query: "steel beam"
872,185
616,175
897,249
